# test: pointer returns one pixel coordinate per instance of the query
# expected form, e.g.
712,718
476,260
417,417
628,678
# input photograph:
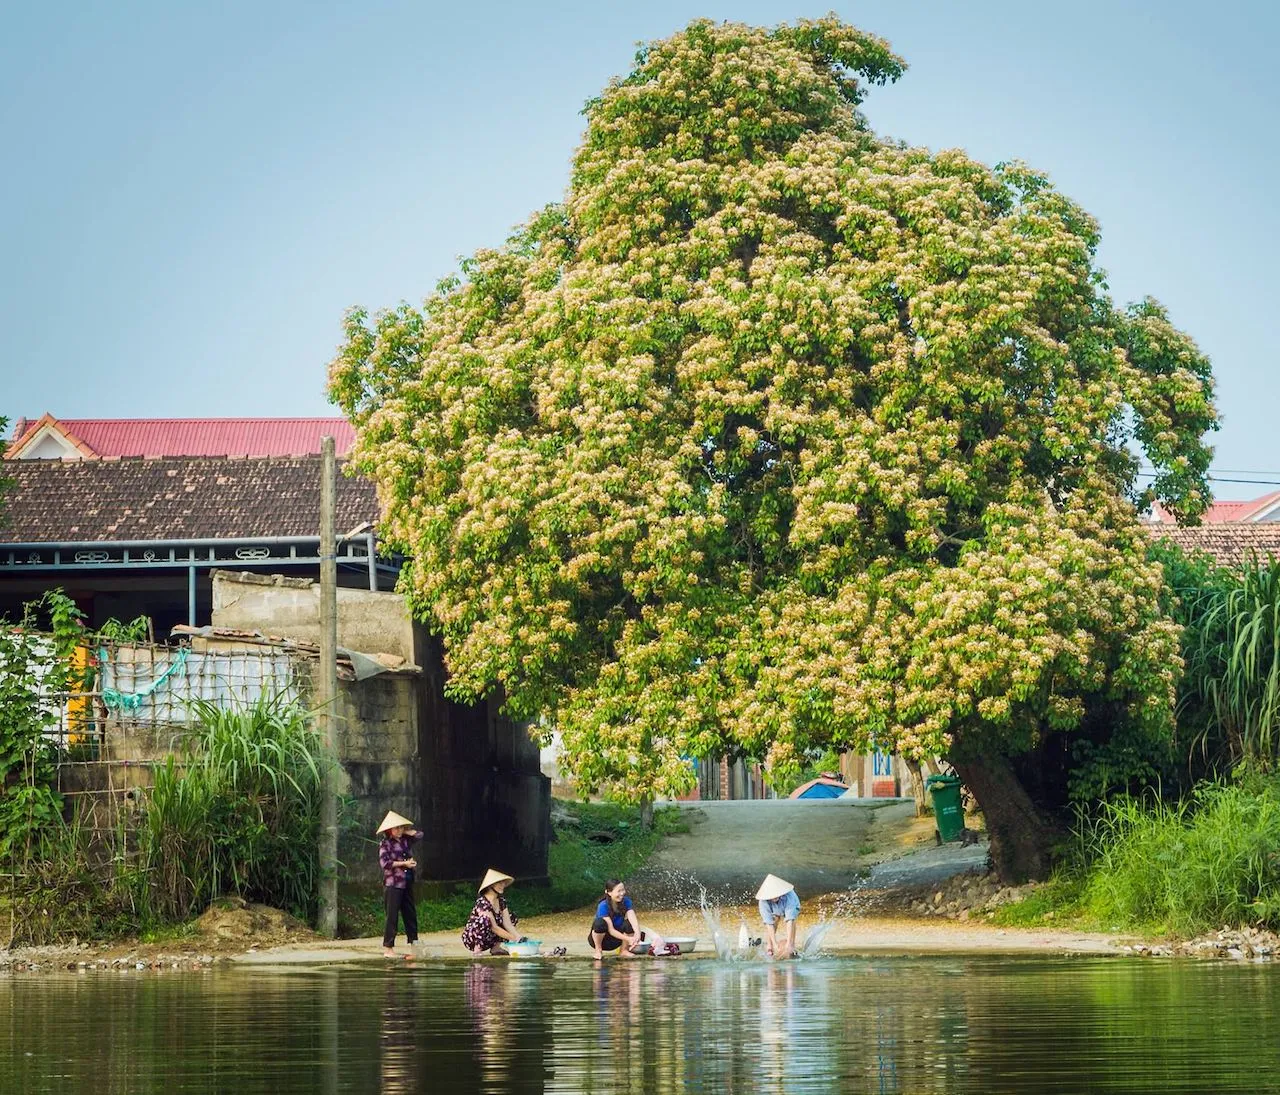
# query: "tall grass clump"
1210,860
238,812
1232,652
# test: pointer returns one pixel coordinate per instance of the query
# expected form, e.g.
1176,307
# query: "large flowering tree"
776,435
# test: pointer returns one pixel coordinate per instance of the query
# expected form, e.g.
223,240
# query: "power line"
1223,479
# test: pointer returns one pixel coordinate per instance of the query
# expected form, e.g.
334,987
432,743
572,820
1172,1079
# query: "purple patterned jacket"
391,849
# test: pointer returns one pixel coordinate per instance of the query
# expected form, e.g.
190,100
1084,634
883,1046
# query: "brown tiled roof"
1231,544
61,501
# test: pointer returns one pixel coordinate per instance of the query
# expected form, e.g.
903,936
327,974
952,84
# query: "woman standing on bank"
398,868
491,921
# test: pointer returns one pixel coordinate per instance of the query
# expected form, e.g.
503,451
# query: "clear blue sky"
193,193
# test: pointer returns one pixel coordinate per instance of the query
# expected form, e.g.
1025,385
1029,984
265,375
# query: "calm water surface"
911,1025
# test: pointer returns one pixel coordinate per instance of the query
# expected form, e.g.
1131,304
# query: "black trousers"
400,905
610,942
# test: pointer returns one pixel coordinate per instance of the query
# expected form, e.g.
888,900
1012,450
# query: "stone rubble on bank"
83,957
1239,944
970,895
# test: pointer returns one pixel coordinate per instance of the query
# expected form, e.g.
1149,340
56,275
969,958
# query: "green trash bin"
945,792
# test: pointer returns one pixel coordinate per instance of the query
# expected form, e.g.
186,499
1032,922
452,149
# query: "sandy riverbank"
857,935
854,935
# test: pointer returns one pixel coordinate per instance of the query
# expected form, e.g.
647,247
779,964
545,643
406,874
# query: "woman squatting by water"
616,927
491,921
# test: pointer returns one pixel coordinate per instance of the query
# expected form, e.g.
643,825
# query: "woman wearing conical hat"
491,921
778,901
398,867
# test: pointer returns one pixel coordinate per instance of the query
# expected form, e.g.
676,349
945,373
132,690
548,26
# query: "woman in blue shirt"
615,924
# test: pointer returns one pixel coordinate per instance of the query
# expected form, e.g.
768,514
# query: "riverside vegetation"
234,812
1198,847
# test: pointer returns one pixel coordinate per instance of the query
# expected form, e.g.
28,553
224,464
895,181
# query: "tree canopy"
775,434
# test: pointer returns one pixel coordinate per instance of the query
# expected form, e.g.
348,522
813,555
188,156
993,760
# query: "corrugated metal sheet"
1221,512
208,436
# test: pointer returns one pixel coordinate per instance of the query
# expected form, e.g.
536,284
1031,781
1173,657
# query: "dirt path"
820,846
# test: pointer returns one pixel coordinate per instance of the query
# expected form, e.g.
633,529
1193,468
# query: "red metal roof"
1219,513
107,437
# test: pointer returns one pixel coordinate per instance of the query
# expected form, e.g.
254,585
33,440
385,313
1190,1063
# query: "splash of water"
812,944
848,905
711,917
735,947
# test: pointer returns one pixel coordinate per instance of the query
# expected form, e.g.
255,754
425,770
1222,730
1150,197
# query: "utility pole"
327,918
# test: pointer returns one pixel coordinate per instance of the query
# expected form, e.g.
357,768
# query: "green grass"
239,815
1211,860
1057,901
576,864
170,933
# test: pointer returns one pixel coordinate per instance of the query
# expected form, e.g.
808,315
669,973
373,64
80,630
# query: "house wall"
466,775
378,729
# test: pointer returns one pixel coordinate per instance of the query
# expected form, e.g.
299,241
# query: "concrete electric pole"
327,917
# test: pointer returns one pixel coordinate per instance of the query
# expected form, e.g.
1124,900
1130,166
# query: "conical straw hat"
772,888
392,821
491,876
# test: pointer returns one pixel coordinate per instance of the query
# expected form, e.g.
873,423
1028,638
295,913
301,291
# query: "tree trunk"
646,814
917,784
1021,837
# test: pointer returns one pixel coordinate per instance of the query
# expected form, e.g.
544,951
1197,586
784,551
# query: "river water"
911,1025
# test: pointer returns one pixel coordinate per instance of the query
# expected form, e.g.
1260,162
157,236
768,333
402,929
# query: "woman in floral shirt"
398,866
491,921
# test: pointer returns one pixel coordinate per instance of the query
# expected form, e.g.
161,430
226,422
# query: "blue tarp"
822,790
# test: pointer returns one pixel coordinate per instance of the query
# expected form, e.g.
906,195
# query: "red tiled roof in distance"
1231,544
109,437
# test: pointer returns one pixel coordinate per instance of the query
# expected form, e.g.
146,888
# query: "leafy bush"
34,668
